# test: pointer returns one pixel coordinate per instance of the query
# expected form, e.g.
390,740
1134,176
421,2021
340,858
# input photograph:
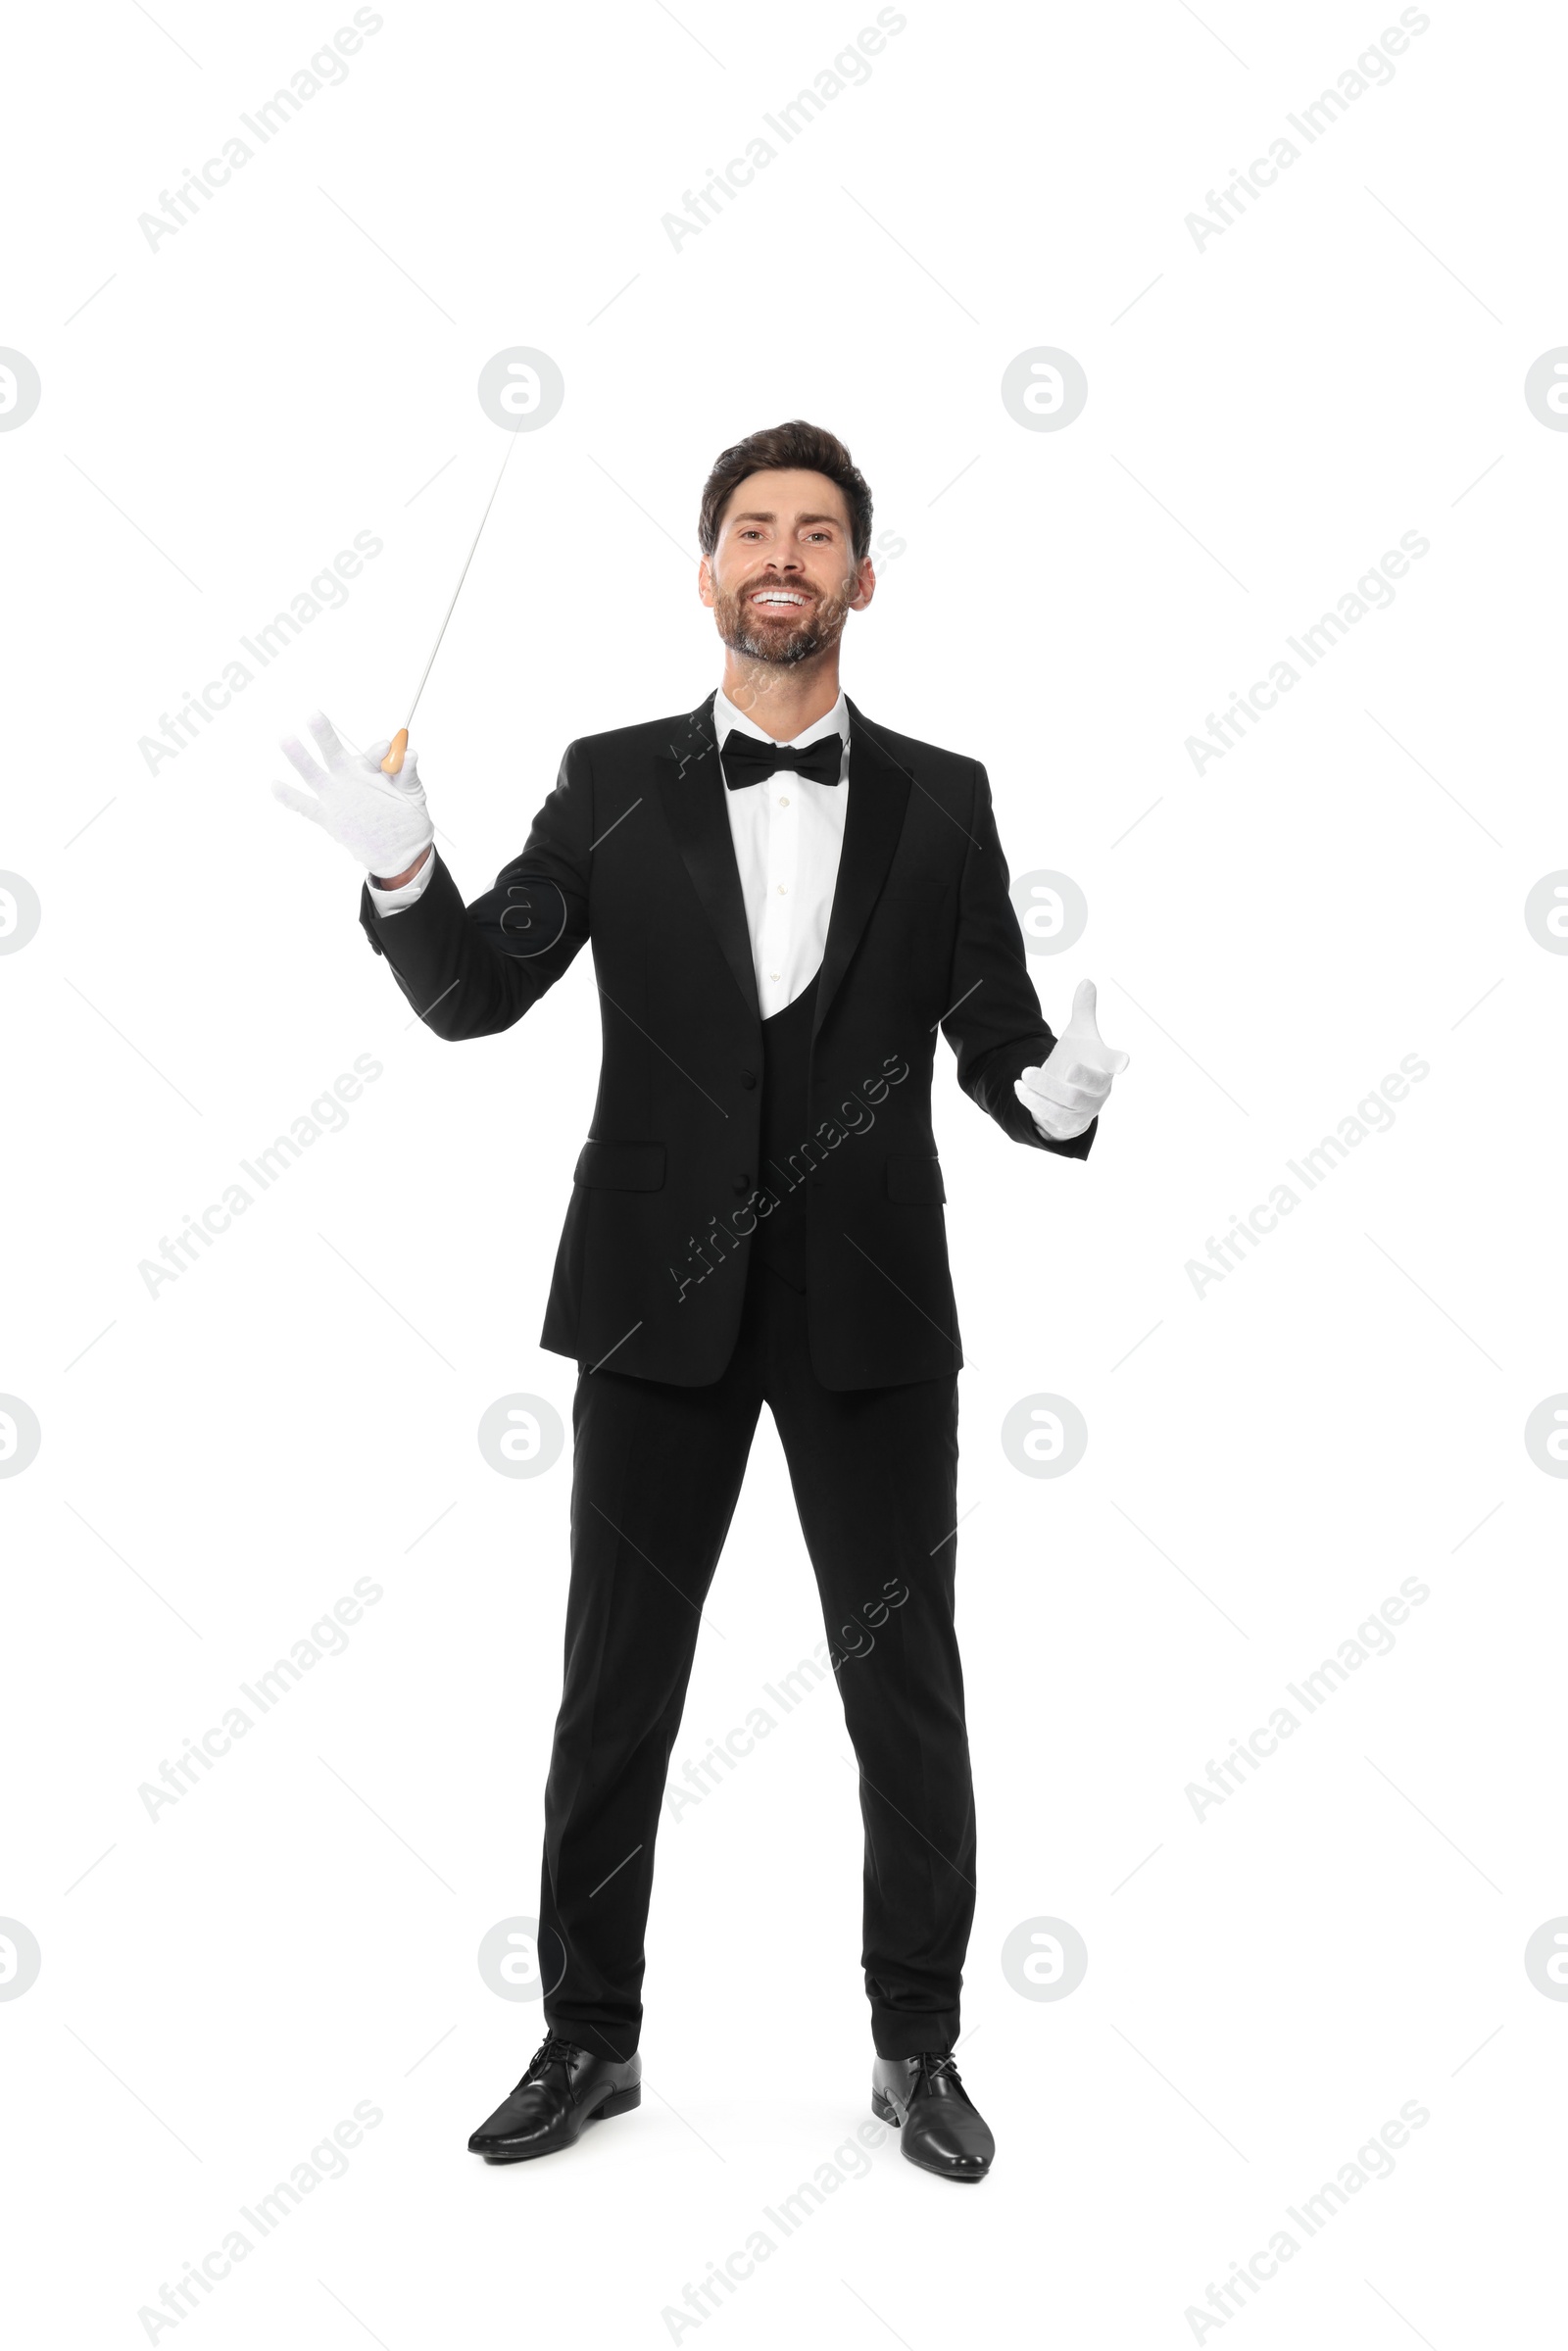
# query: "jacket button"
748,1078
742,1183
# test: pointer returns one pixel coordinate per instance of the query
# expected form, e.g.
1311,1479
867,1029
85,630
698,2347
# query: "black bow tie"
747,760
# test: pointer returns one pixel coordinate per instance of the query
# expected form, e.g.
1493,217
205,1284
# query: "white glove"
1066,1093
381,820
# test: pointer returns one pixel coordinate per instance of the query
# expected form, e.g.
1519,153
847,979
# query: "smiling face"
782,578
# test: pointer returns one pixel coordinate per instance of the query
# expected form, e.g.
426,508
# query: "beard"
783,637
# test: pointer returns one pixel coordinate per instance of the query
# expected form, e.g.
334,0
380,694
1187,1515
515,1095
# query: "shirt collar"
834,721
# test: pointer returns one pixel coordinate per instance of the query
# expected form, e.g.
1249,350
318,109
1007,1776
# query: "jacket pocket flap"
620,1166
915,1176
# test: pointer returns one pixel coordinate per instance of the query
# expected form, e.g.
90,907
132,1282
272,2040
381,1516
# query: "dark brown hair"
796,446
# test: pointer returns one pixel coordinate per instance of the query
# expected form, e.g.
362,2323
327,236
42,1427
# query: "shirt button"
783,893
772,975
748,1078
783,801
742,1183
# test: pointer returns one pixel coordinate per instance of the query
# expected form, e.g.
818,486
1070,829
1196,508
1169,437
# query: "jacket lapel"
691,787
879,793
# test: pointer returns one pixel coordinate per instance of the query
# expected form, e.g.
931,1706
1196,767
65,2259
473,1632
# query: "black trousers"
657,1472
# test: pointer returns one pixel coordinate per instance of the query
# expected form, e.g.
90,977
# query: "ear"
864,585
705,583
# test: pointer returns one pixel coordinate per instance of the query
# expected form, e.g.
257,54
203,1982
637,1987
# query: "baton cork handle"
392,764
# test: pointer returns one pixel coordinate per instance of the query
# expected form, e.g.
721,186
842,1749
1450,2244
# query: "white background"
218,1463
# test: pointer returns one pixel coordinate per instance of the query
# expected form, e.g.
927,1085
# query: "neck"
781,703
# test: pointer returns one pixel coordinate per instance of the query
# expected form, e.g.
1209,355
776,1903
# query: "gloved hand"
1066,1093
381,820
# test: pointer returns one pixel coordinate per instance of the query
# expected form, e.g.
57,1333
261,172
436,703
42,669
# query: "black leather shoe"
565,2087
926,2102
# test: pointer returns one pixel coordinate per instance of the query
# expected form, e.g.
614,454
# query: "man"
785,902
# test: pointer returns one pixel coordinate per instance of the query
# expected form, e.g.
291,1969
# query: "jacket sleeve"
469,971
994,1023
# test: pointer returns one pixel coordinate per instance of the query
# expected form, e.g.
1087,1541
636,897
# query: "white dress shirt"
787,832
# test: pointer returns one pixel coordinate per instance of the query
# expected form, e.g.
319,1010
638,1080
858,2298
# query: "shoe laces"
937,2065
553,2050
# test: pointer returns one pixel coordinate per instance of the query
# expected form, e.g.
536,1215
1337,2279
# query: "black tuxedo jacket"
632,852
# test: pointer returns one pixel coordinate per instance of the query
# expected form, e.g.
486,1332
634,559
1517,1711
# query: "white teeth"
768,597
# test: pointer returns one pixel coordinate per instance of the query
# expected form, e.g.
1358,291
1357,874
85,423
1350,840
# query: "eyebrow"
835,519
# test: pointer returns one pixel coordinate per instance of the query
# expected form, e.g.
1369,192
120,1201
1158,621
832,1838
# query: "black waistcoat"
780,1237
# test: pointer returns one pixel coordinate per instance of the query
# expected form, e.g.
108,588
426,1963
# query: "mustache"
783,587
